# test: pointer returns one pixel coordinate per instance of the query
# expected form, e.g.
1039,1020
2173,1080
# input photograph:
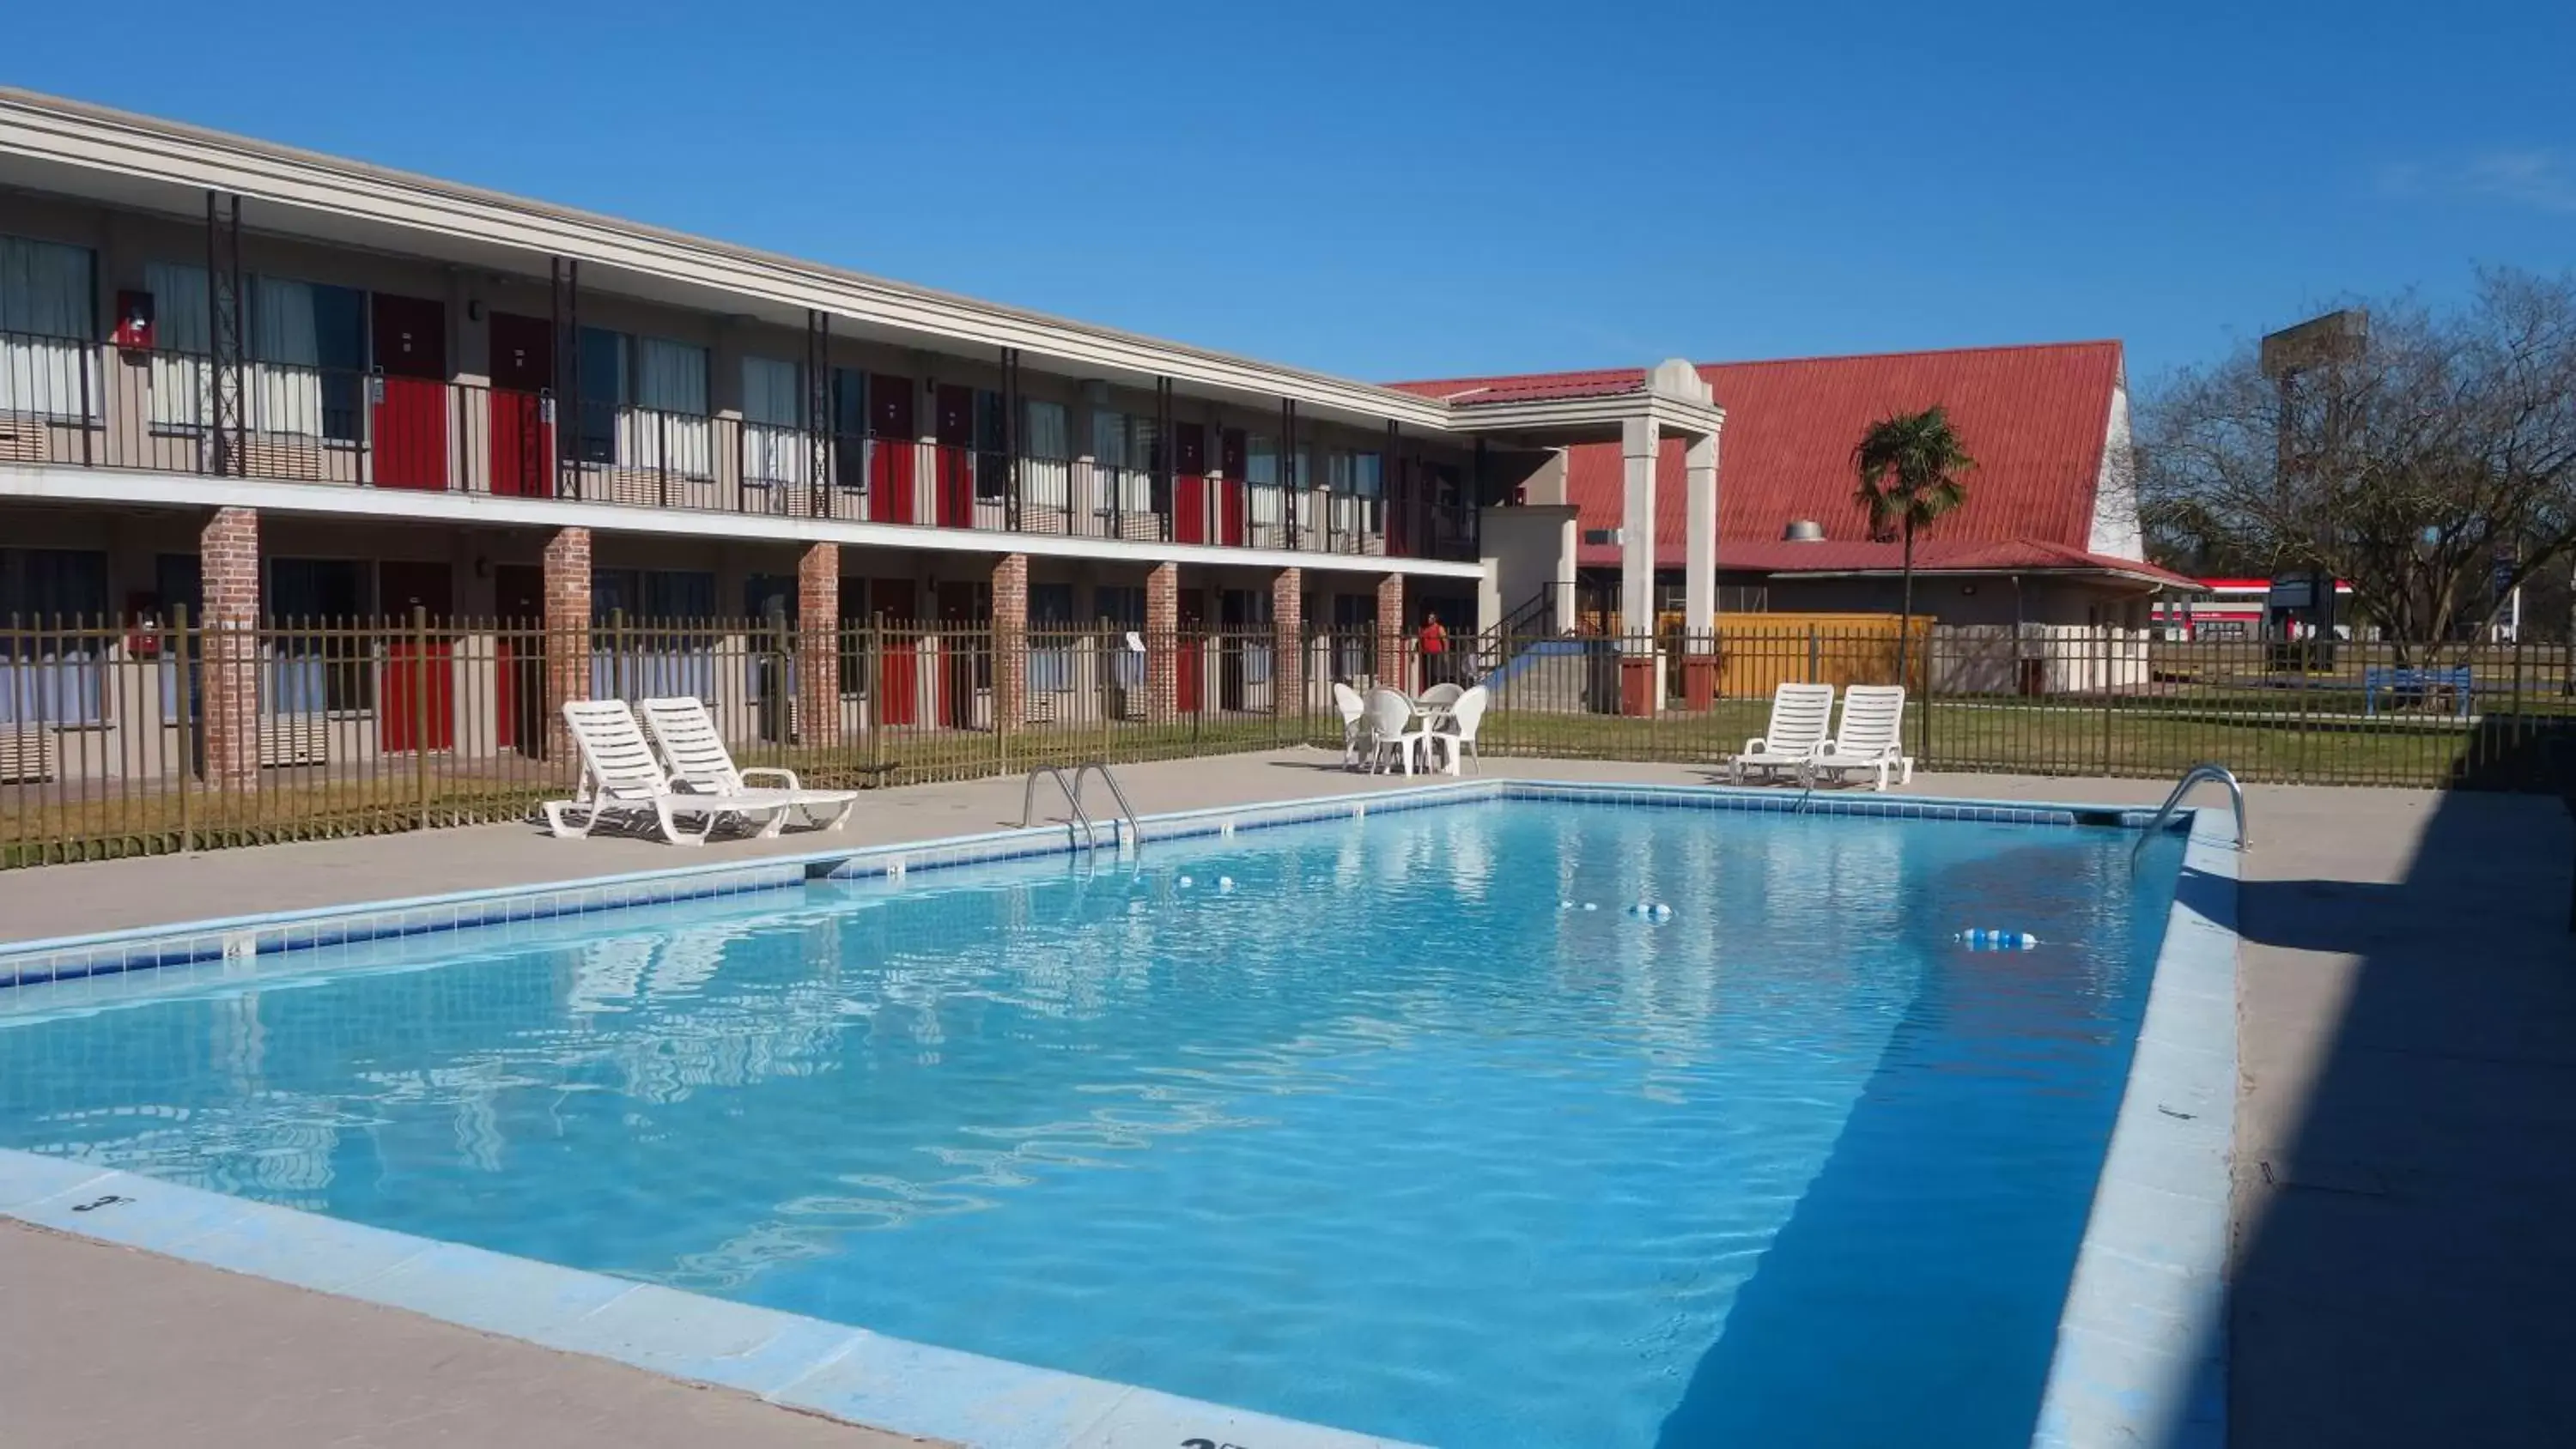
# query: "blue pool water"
1382,1137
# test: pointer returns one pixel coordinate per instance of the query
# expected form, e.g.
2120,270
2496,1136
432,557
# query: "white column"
1699,564
1637,442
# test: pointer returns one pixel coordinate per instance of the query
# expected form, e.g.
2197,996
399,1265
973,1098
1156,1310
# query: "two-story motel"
257,382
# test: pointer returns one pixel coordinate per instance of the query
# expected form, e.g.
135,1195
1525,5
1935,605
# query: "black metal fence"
147,737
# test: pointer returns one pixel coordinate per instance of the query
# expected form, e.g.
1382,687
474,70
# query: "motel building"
256,383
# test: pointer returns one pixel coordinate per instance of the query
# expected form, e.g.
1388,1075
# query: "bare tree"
2435,471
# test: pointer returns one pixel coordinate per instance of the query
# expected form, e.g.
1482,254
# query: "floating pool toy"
1984,940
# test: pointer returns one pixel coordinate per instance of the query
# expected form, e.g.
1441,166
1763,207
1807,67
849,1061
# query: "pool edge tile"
2144,1328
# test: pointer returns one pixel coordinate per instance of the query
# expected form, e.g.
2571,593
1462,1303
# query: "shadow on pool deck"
2404,1254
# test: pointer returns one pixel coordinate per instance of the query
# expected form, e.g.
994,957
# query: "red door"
1230,458
410,413
523,442
416,708
1189,483
890,452
962,611
1191,657
956,482
898,676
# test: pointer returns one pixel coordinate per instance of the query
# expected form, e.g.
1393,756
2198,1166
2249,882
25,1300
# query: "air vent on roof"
1804,530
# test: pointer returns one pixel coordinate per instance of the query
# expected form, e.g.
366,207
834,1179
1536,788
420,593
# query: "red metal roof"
2036,419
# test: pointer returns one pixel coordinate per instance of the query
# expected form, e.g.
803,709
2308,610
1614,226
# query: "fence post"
1811,654
1106,654
1923,716
420,708
2102,682
184,708
875,676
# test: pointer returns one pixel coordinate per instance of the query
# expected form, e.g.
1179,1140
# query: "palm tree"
1909,467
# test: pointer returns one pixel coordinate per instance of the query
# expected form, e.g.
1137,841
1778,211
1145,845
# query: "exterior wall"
2117,531
1530,550
1953,600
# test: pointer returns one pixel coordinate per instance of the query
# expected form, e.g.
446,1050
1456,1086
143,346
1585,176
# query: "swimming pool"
1370,1123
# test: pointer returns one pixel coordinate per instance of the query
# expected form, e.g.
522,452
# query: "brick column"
1163,642
228,553
567,589
1288,630
818,645
1011,641
1391,653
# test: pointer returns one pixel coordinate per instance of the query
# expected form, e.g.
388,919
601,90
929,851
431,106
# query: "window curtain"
46,363
1046,448
286,358
772,414
1124,608
664,423
183,341
1051,637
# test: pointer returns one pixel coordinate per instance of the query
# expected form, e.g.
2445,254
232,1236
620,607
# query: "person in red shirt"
1433,642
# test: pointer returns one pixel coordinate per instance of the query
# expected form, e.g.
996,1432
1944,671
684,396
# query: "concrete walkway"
2408,1051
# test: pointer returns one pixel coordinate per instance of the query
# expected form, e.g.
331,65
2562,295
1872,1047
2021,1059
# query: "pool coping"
2139,1347
2141,1354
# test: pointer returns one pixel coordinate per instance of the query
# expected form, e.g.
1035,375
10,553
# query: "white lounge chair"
619,776
1354,714
1801,716
1871,736
1456,736
701,765
1393,725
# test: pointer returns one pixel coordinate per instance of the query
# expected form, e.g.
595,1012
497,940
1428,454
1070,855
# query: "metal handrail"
1135,830
1072,800
2206,770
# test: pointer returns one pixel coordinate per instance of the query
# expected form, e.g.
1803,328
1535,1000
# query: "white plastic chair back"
1873,719
1443,694
1468,712
695,752
1801,716
1347,700
613,751
1388,713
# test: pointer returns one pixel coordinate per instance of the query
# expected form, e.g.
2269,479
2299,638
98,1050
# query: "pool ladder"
2206,770
1073,801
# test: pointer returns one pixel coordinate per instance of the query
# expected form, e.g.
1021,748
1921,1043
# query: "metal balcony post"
229,424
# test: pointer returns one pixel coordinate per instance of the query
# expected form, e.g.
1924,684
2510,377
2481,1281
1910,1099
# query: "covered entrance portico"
1671,400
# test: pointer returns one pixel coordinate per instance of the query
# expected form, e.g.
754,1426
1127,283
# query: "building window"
992,460
773,420
1051,636
47,674
307,355
644,404
647,662
1124,450
1124,610
850,430
1046,456
183,339
47,367
317,663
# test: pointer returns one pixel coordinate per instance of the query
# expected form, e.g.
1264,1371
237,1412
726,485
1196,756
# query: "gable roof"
2036,418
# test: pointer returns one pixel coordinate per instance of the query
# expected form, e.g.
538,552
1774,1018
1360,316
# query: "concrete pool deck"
2407,1048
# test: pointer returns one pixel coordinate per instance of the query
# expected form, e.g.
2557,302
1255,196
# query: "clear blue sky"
1393,189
